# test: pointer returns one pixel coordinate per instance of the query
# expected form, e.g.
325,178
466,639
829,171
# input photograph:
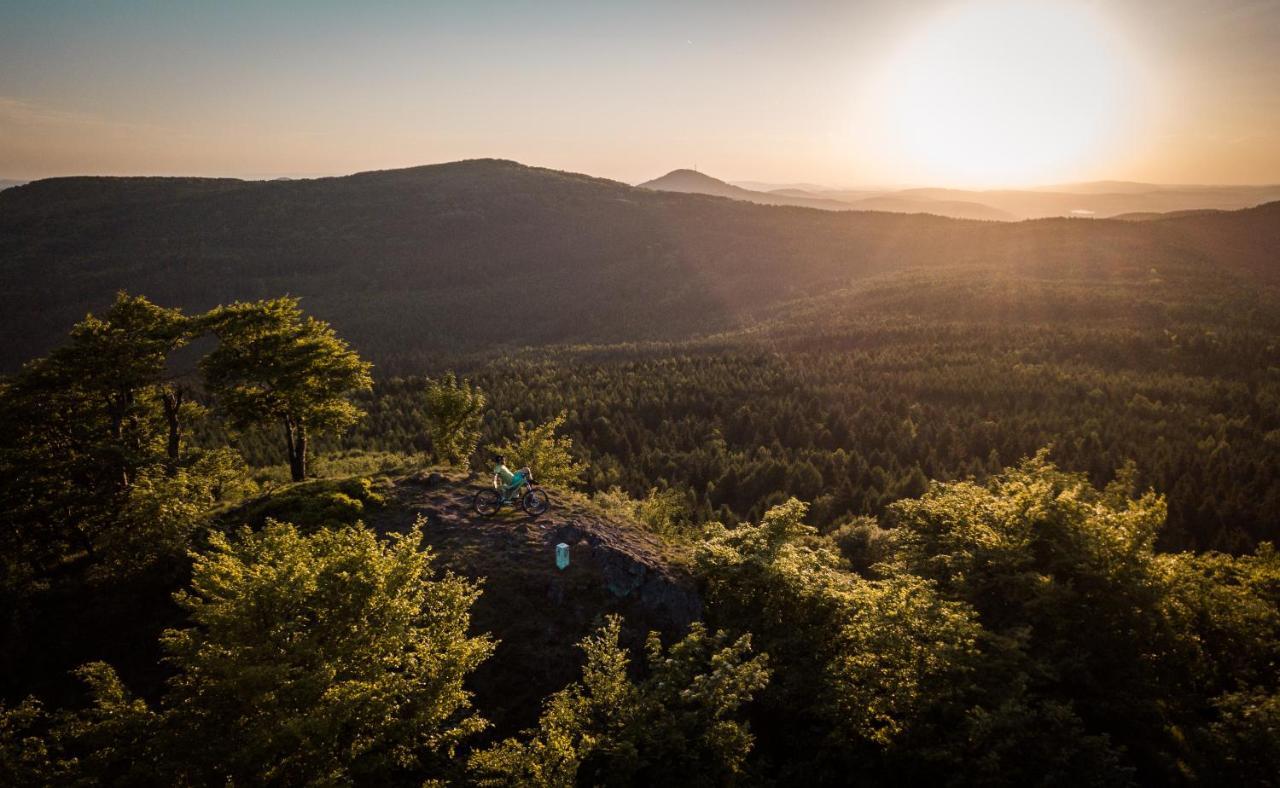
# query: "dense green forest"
1038,620
857,398
937,502
857,355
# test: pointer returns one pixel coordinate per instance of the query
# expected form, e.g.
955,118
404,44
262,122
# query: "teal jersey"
504,474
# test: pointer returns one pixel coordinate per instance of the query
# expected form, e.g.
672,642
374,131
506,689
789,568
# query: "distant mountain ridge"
1097,199
694,182
416,264
1146,216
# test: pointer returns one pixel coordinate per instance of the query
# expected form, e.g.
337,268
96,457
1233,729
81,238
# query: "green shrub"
862,542
665,513
548,455
455,411
328,659
312,505
681,725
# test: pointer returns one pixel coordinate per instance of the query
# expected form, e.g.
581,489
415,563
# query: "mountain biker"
504,479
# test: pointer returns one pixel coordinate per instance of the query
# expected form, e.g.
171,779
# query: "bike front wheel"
535,502
487,502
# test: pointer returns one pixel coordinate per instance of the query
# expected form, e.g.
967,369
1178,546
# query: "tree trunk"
172,407
117,433
85,542
296,434
300,464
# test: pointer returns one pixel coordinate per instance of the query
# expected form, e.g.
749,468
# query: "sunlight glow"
1001,92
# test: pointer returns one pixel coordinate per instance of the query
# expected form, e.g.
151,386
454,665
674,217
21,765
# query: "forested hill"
409,263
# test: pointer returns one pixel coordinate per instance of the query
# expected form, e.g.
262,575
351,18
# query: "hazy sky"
840,93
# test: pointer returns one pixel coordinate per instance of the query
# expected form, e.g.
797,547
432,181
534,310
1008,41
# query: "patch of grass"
324,503
342,464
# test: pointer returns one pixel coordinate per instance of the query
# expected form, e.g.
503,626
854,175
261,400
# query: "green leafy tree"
1226,610
325,659
80,428
882,676
272,364
322,658
455,411
681,725
25,746
166,509
903,653
1243,743
1044,557
664,512
122,358
862,542
107,743
1113,642
547,455
116,739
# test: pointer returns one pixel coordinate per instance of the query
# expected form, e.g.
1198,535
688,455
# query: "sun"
1001,92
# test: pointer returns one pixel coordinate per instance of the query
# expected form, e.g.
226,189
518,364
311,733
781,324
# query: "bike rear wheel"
535,502
487,502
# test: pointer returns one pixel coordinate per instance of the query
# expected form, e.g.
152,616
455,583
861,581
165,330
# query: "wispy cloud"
16,111
28,112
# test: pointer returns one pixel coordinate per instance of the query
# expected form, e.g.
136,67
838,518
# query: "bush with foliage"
547,455
164,511
91,455
455,412
1102,621
680,725
864,667
322,503
1022,630
320,659
664,512
862,541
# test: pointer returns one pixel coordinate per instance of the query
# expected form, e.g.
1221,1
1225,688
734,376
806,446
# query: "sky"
965,93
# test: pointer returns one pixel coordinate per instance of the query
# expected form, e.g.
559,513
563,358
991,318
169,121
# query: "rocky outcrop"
668,596
537,611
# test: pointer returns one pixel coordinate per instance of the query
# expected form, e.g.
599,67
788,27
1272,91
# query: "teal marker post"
562,556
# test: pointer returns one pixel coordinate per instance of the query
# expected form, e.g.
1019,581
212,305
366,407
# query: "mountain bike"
531,498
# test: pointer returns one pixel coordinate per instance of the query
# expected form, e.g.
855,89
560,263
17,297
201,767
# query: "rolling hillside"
473,255
1098,200
694,182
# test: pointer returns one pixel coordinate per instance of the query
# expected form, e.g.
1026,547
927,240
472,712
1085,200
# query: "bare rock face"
537,611
666,595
